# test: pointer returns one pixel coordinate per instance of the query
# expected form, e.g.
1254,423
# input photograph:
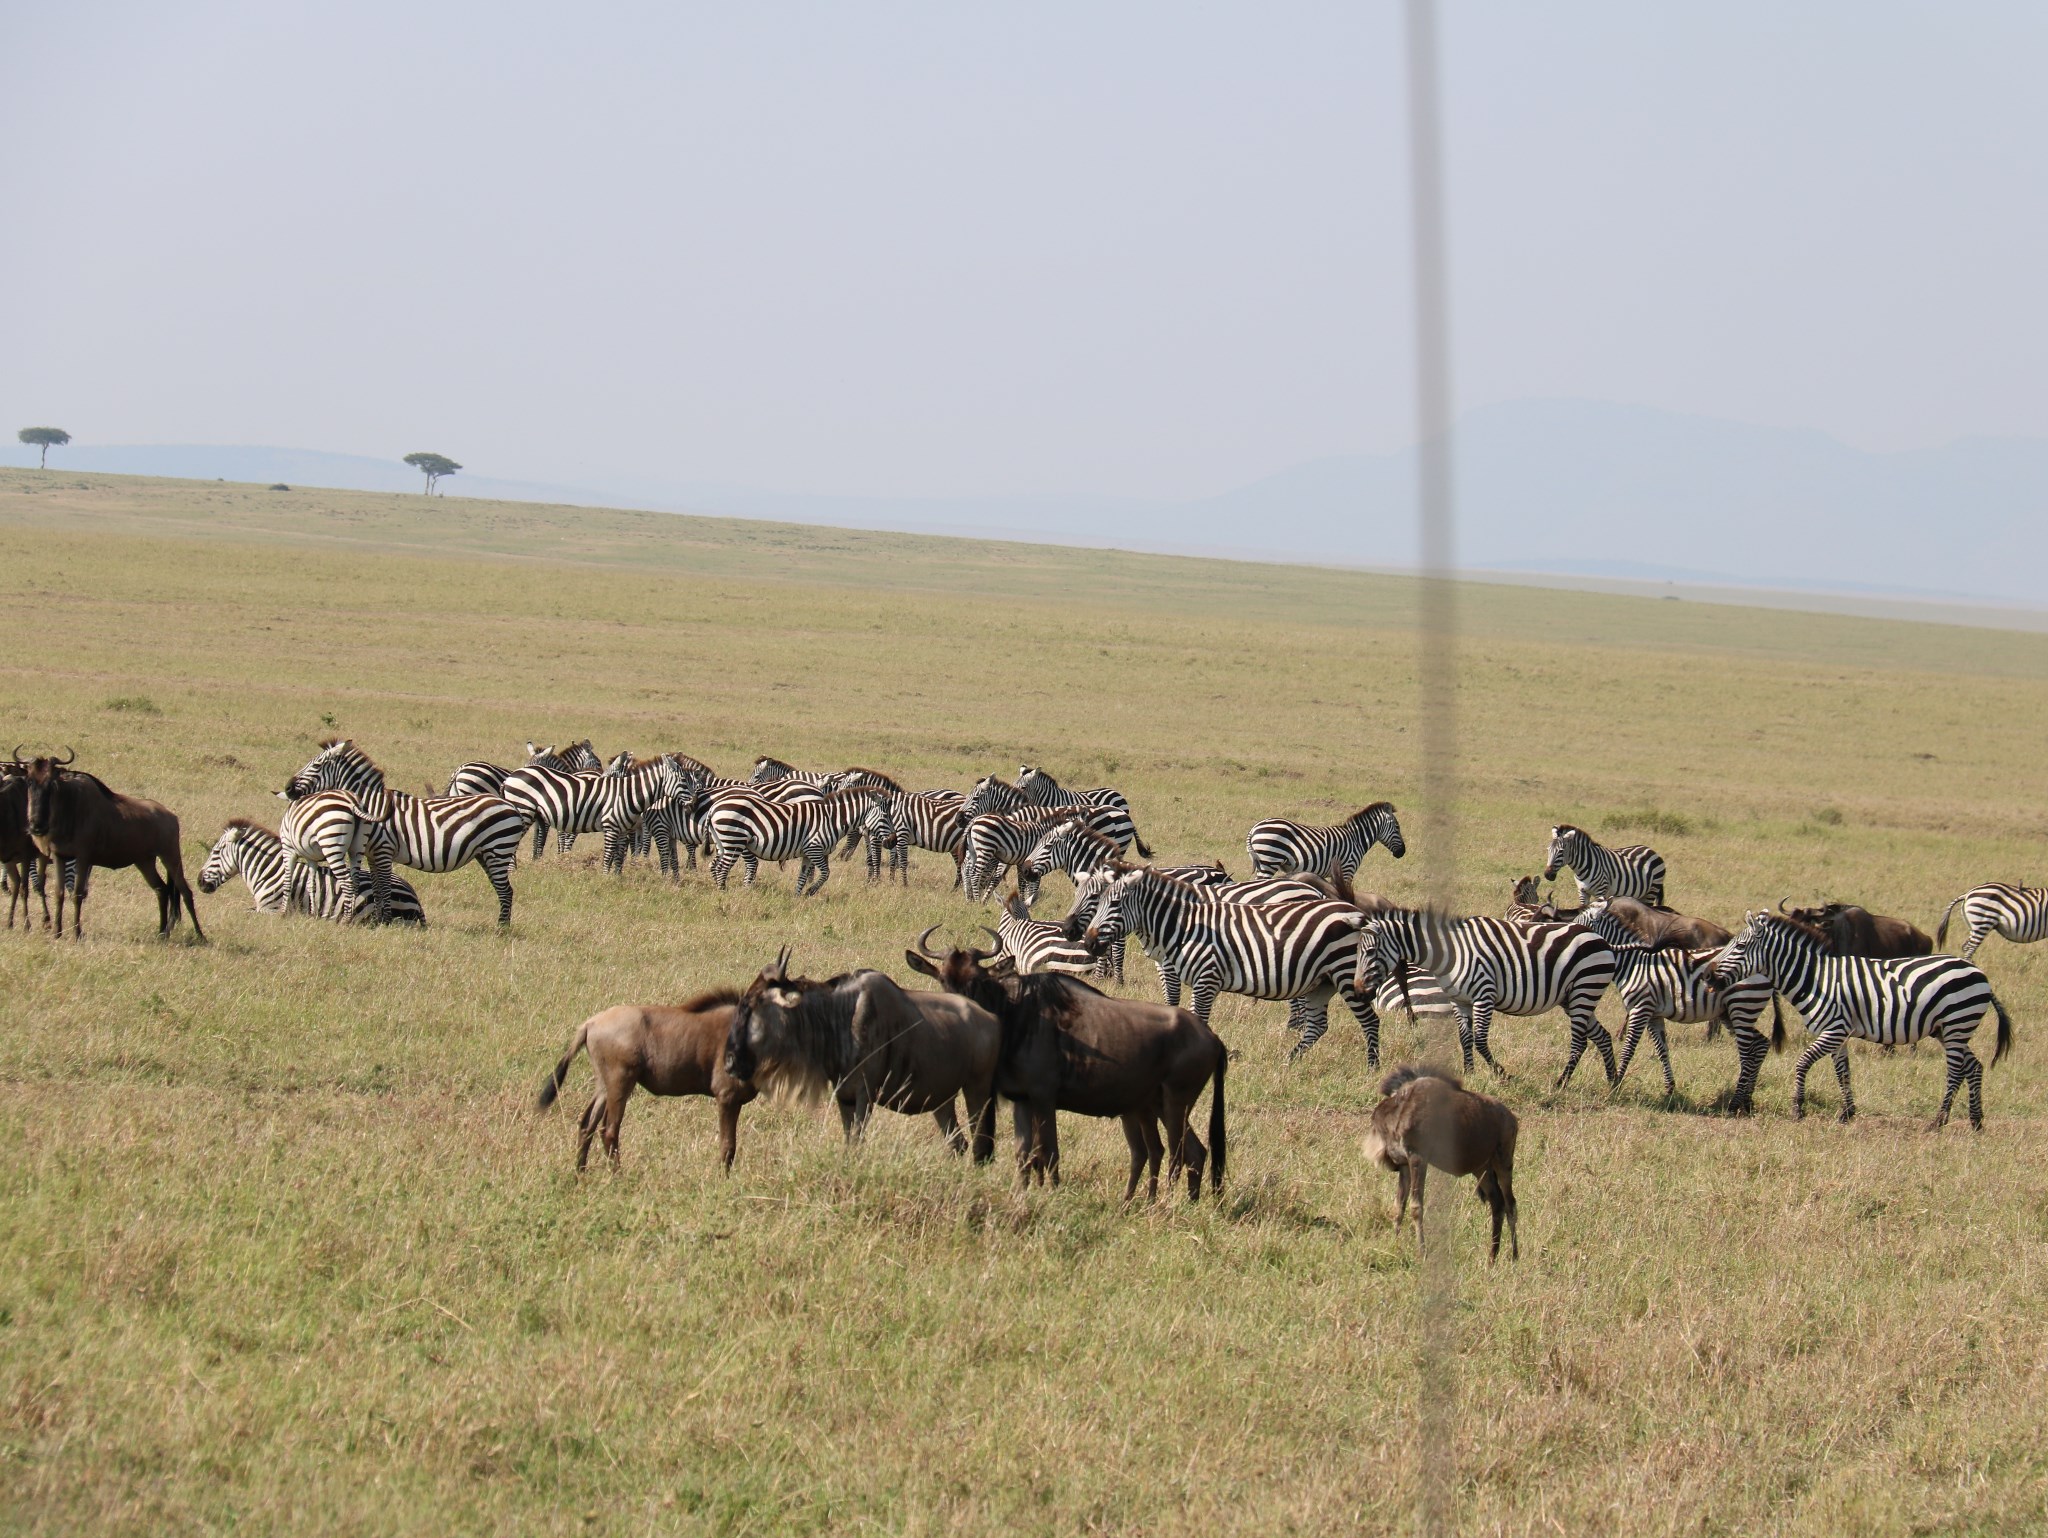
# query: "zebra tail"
555,1080
2004,1031
1143,852
1777,1025
1941,934
1216,1132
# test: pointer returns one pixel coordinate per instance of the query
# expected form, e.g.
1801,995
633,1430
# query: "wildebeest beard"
817,1045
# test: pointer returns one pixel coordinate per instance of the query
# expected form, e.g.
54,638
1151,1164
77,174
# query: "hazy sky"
1115,247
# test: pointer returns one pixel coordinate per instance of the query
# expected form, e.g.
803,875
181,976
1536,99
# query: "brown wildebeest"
1066,1047
21,862
73,816
1853,931
662,1048
1657,927
871,1043
1427,1117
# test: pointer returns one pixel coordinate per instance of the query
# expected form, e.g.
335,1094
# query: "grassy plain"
284,1247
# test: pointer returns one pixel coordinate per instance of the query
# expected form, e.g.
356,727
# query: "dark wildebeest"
664,1049
1427,1117
871,1043
21,862
1066,1047
1853,931
73,816
1655,926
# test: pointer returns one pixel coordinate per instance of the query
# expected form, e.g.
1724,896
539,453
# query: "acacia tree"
44,438
433,467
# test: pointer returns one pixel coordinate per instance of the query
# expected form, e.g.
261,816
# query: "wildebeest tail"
555,1080
1941,934
2004,1030
1216,1120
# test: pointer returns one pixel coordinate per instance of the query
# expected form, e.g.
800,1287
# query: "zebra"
1112,819
438,835
1298,951
1633,870
253,852
915,819
994,842
1676,984
479,778
1886,1000
2020,913
1037,946
753,828
1038,788
628,796
1278,846
1489,966
767,771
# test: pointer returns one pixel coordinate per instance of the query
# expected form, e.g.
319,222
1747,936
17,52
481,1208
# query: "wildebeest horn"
1781,903
782,963
17,751
70,753
924,940
1000,947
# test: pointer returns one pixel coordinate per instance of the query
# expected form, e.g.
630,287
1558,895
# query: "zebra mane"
331,742
1367,811
1800,927
873,779
246,826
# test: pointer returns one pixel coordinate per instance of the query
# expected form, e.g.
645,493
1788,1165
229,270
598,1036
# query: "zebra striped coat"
1039,788
1883,1000
753,828
996,797
1303,951
1036,946
915,819
993,842
1489,966
1676,984
1278,846
277,885
479,778
2019,913
1633,870
341,807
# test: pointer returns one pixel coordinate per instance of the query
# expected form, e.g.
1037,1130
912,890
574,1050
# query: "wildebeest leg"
1025,1126
166,901
615,1097
1182,1146
949,1128
1504,1185
1421,1175
981,1116
1401,1204
853,1118
593,1117
1139,1144
1049,1143
729,1125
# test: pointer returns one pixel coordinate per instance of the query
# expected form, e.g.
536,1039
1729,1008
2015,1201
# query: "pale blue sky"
1007,249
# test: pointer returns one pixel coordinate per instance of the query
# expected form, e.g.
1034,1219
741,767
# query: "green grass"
283,1245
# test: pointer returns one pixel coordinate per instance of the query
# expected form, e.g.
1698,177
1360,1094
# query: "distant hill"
1567,487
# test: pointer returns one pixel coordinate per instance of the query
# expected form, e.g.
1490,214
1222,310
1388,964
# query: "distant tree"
433,467
44,438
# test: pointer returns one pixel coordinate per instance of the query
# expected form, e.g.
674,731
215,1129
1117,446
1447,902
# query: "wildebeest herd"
1016,1021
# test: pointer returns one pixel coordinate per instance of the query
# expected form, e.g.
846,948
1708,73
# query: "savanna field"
285,1246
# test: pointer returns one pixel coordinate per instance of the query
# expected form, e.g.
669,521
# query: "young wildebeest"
1429,1118
1655,926
663,1049
73,816
1066,1047
871,1043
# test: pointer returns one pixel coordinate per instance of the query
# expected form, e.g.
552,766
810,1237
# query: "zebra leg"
1750,1049
1169,980
1465,1034
1360,1005
1975,1069
1313,1013
540,838
1842,1078
499,870
721,866
1816,1049
1978,935
380,879
753,866
614,852
822,865
664,838
1482,1023
1663,1055
1631,1036
1205,991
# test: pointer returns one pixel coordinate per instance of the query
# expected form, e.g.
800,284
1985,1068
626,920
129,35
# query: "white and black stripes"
1278,846
2019,913
1633,870
1038,788
1037,946
278,885
1882,1000
1490,967
917,819
994,842
751,828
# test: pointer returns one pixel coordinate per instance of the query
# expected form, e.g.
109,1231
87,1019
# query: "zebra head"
621,762
1108,921
224,859
1087,898
1036,785
1566,842
1383,949
1054,845
326,770
988,796
1382,827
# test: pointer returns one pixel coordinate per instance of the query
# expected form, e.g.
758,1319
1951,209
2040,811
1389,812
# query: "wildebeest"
1853,931
73,816
1427,1117
664,1049
1656,926
1066,1047
21,862
871,1043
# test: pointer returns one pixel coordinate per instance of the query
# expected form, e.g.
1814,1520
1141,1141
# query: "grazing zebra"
253,852
1489,966
1676,984
1633,870
994,842
440,835
1039,788
1036,946
1879,999
2020,913
998,797
754,828
1298,951
1278,846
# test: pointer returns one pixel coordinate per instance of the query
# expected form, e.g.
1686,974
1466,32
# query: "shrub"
132,704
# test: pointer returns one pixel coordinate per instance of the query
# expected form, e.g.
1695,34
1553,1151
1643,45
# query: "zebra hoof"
1845,1118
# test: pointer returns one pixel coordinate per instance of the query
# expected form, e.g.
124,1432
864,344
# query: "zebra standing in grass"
1037,946
629,796
1489,966
916,819
751,828
1112,819
1297,951
341,804
993,842
1881,1000
1633,870
1278,846
253,852
1039,788
479,778
2019,913
1676,984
